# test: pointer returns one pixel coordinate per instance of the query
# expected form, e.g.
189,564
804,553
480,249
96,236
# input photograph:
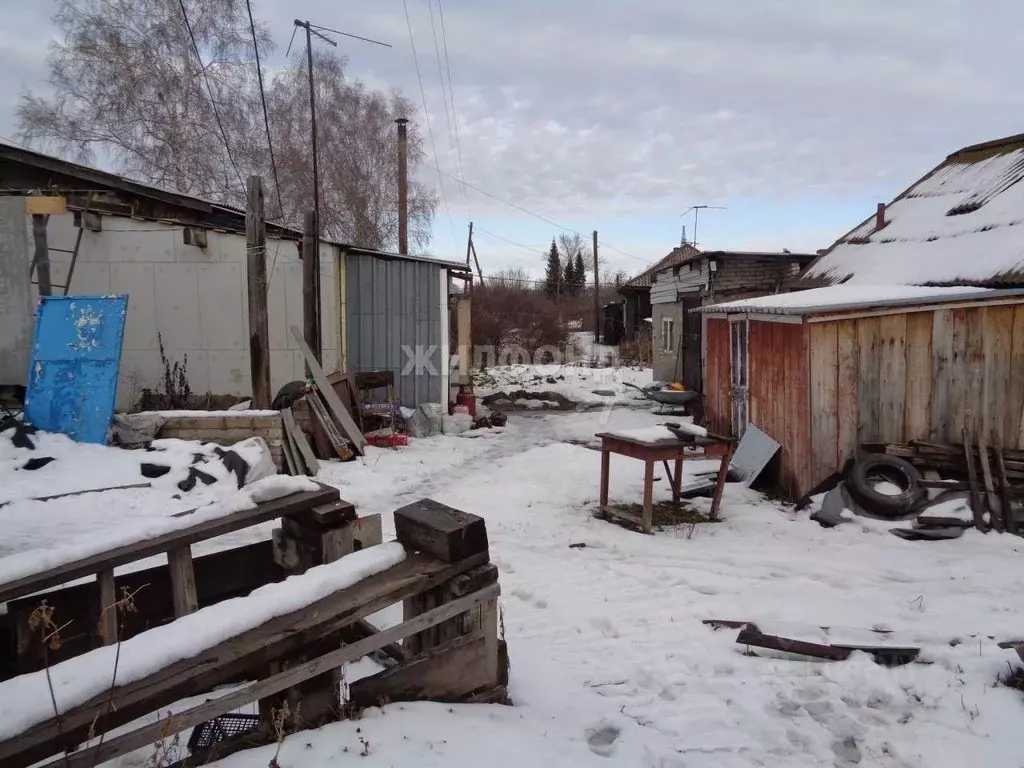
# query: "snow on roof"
854,296
960,224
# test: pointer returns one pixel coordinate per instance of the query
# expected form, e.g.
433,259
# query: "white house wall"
195,299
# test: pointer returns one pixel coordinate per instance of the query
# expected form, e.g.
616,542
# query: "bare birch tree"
129,90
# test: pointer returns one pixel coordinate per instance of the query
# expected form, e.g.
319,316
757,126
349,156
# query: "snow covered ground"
610,659
580,384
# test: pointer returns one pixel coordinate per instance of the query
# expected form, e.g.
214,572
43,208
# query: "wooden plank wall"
916,375
779,397
717,375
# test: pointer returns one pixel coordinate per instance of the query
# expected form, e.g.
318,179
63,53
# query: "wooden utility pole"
597,296
256,272
469,243
42,253
403,187
310,295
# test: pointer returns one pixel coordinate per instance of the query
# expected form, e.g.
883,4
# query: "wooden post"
310,299
606,460
183,581
458,657
597,297
463,308
42,253
108,606
403,186
648,495
256,272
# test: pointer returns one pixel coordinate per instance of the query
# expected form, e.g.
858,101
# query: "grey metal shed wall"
395,305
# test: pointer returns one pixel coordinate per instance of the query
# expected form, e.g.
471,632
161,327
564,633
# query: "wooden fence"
450,648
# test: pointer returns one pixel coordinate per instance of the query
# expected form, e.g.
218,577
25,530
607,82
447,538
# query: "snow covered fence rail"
284,639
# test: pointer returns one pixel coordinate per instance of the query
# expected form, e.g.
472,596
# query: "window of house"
668,334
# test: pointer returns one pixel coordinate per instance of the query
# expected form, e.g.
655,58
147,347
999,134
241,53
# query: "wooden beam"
256,274
310,295
42,205
107,625
300,441
276,639
183,581
995,513
446,533
129,553
152,732
445,673
1004,486
41,259
329,395
972,476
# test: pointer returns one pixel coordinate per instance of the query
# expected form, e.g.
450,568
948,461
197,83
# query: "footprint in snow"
604,626
528,597
601,740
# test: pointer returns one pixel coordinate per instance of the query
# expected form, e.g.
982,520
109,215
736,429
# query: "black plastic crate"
212,732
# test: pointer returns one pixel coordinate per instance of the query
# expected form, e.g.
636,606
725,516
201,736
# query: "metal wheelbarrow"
668,400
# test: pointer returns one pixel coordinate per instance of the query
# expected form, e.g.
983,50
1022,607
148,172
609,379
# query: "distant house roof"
679,255
57,172
961,224
851,296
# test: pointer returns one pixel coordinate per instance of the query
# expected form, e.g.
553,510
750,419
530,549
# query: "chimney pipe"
403,188
880,216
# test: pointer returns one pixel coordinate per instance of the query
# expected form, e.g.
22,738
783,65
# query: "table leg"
648,495
723,471
605,472
677,487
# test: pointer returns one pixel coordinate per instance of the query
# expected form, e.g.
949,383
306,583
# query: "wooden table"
663,450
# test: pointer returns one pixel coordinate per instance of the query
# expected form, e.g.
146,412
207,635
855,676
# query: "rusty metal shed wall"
394,309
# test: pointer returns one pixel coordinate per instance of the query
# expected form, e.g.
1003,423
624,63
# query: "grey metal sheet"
752,455
394,319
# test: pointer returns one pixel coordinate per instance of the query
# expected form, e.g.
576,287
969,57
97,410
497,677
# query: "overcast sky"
796,116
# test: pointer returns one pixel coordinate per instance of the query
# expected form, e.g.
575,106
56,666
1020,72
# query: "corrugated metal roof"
840,298
961,224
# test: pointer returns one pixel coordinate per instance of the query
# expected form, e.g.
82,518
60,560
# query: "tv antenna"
696,210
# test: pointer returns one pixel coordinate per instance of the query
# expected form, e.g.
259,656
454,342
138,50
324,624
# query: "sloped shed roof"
961,224
857,296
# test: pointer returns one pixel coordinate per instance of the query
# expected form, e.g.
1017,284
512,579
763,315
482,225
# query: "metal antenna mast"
316,29
697,209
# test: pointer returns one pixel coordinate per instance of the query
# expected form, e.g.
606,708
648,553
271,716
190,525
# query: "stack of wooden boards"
993,476
345,438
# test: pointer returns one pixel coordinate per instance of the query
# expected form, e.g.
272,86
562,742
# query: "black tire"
869,471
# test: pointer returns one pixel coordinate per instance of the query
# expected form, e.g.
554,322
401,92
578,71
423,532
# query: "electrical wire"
448,113
209,90
451,95
537,215
531,249
426,117
266,118
270,142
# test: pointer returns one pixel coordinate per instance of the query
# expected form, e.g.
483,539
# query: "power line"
426,117
266,119
536,215
532,249
209,90
450,116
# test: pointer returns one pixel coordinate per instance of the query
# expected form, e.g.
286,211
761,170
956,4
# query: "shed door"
738,330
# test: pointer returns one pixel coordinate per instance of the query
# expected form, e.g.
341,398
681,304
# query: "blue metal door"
76,354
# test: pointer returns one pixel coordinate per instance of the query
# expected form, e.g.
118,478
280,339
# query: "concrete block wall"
228,430
195,299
